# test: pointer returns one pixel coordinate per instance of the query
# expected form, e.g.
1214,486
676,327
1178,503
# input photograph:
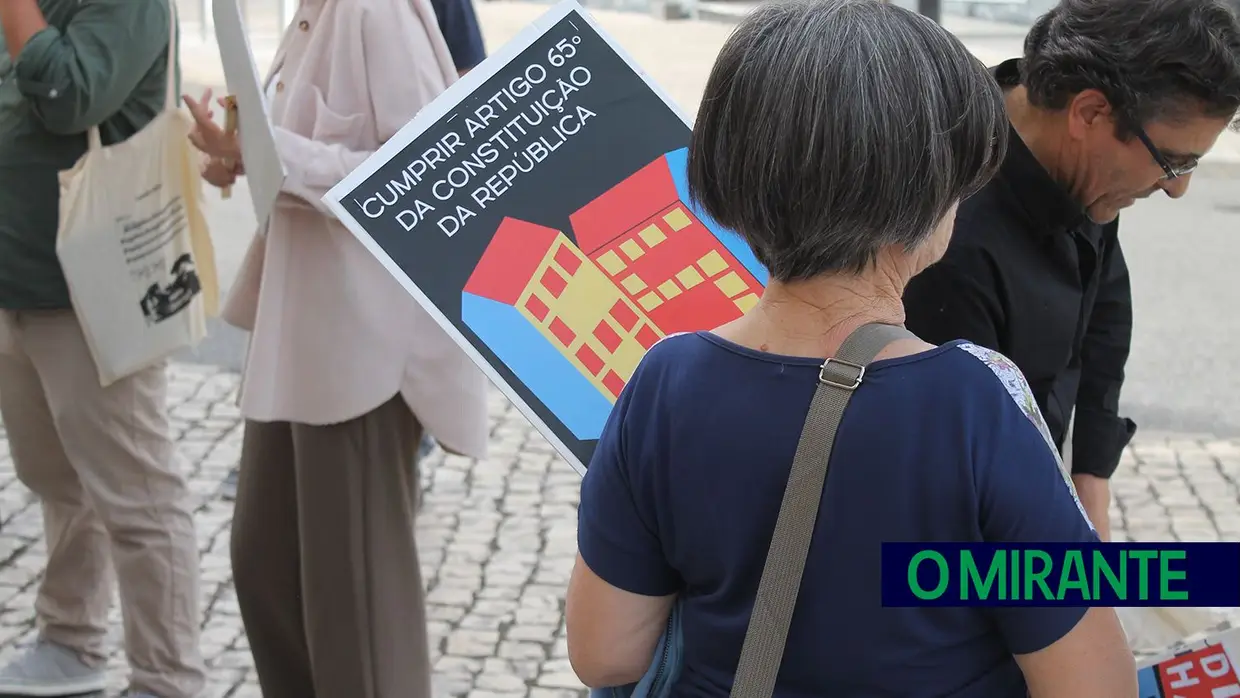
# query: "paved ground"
497,539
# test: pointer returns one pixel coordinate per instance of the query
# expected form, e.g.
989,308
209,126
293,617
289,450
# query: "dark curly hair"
1152,59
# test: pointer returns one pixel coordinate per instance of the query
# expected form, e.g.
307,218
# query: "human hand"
218,173
207,136
1095,495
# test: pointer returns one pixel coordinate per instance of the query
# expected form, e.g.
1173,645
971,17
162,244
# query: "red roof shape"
619,209
510,259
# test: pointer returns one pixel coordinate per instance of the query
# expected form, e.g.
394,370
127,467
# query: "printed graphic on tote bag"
169,290
162,303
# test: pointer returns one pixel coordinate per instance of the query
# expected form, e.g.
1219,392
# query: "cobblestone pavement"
497,539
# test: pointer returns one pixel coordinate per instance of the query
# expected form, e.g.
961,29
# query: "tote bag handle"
94,141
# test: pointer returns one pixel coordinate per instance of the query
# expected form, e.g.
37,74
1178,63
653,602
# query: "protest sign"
263,169
539,211
1202,669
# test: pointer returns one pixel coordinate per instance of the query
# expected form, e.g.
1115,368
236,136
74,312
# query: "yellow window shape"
633,283
712,263
651,235
650,301
611,261
677,218
669,289
632,248
731,284
626,357
689,277
590,294
746,302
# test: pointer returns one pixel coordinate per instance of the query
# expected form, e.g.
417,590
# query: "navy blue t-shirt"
946,445
459,25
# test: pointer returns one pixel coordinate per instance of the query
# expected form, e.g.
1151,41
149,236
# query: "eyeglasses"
1169,171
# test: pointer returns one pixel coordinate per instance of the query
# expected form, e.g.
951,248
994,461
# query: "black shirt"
1029,275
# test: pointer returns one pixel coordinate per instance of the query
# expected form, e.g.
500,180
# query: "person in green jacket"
101,460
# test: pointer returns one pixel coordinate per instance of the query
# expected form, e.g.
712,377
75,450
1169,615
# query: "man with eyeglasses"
1113,100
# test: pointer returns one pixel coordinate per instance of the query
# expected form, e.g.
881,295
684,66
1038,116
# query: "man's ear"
1088,111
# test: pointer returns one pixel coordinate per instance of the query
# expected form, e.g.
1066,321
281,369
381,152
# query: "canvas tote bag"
133,241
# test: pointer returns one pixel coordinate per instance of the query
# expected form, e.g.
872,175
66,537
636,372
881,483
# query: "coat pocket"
330,126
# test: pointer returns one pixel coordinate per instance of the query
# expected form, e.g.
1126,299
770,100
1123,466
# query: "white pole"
206,23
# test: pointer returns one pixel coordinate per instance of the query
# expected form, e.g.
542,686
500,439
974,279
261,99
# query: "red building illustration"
557,321
572,321
641,233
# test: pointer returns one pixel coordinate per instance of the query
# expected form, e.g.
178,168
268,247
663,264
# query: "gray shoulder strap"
763,650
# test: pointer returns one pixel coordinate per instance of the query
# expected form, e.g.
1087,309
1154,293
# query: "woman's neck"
812,318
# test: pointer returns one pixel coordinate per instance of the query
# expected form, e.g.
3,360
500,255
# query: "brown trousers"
324,558
105,468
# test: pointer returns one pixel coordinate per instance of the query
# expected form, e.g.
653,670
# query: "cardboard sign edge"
267,144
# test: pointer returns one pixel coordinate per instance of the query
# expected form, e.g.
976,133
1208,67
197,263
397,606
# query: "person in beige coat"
344,372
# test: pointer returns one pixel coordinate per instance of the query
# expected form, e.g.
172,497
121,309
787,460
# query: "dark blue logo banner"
1061,574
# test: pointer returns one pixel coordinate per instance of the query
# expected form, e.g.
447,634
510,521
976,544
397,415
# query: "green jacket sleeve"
79,77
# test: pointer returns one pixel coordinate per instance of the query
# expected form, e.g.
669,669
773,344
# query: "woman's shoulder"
671,359
984,383
393,9
383,16
1007,374
675,349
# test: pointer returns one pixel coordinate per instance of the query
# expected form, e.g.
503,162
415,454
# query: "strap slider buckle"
841,377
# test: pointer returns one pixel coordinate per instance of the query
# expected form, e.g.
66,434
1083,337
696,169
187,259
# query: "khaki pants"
104,465
324,558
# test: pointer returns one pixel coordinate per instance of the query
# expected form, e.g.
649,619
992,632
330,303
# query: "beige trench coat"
333,335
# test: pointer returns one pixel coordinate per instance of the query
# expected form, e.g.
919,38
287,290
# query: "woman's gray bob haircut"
830,129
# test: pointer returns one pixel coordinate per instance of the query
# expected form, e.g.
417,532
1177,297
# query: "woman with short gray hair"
837,138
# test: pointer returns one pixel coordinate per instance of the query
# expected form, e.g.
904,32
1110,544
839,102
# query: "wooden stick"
230,127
